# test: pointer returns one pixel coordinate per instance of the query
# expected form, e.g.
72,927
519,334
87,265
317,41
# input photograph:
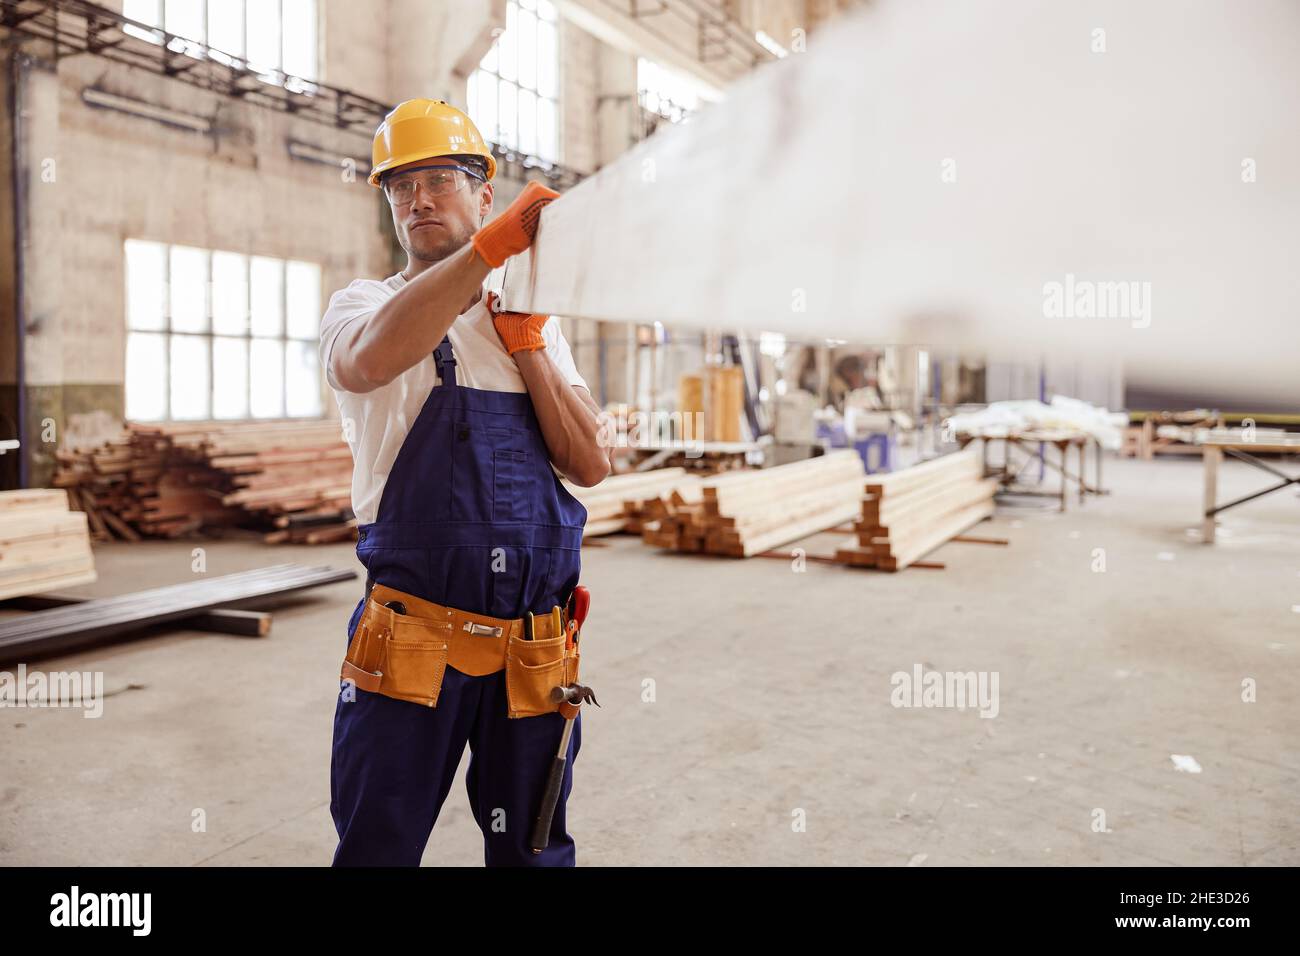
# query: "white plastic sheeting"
1009,418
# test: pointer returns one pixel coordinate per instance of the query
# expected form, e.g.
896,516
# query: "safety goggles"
437,180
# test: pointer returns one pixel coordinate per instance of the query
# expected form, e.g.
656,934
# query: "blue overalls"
473,517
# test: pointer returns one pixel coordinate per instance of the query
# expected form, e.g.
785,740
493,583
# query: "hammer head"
573,694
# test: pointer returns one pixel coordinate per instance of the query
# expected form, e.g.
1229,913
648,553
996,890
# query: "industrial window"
220,335
665,93
268,35
514,94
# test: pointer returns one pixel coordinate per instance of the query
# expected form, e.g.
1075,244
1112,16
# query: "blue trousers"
393,763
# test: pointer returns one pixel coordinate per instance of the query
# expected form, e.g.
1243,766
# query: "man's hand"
519,331
514,230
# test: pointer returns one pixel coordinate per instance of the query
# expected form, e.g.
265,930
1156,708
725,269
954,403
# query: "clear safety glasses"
440,180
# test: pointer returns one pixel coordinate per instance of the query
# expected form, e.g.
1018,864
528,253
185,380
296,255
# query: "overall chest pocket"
489,473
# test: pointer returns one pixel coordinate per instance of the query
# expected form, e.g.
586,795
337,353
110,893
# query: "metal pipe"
17,88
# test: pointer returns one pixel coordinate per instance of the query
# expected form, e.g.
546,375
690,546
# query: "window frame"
496,134
168,332
665,106
157,21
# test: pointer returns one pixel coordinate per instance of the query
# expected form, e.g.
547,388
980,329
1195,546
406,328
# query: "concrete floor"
772,696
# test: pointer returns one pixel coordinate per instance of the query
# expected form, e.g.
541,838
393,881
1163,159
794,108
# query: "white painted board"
929,167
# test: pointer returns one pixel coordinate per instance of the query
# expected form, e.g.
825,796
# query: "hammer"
570,698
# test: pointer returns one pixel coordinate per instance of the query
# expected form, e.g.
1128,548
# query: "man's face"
429,227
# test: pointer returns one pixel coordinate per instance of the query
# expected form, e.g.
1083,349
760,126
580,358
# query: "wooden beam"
924,175
217,620
62,629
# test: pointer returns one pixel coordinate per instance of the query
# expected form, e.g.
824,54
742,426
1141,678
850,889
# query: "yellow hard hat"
423,129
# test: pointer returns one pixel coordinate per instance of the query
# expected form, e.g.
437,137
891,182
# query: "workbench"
706,457
1212,452
1033,443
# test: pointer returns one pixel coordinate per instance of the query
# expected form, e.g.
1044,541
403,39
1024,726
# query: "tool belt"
405,655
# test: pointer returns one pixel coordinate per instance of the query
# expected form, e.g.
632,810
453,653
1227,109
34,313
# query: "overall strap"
445,361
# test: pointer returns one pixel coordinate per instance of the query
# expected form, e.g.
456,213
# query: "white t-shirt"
376,422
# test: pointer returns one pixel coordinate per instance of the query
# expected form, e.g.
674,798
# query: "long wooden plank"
790,507
32,500
786,534
907,480
951,526
934,122
727,499
63,629
905,524
217,620
61,574
24,528
879,510
737,481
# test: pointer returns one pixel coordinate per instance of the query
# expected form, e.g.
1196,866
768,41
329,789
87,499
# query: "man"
458,419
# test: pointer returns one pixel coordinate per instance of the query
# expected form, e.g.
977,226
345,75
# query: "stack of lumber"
909,513
290,480
746,513
644,512
663,519
616,503
43,545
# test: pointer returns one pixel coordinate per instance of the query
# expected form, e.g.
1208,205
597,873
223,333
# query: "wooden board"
42,544
906,524
937,534
747,513
62,629
956,205
965,462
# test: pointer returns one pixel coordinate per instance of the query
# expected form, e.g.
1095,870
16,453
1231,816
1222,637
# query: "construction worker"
459,420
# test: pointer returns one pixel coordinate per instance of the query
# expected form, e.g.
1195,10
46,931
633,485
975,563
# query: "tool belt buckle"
482,630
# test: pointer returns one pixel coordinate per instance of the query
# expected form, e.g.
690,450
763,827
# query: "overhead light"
143,110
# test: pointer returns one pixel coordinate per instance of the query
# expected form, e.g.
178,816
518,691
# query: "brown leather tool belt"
404,655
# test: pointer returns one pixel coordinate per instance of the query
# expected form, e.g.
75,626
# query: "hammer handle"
542,828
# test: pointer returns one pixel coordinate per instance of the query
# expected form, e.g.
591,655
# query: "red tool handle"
579,605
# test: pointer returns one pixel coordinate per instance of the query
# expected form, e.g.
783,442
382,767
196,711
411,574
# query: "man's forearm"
409,325
568,417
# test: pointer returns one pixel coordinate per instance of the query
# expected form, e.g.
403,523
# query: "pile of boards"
616,503
909,513
43,545
289,480
740,514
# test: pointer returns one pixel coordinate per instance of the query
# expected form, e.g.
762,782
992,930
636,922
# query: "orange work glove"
519,331
514,230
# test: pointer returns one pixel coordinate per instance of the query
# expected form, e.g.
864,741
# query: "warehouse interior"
1094,556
